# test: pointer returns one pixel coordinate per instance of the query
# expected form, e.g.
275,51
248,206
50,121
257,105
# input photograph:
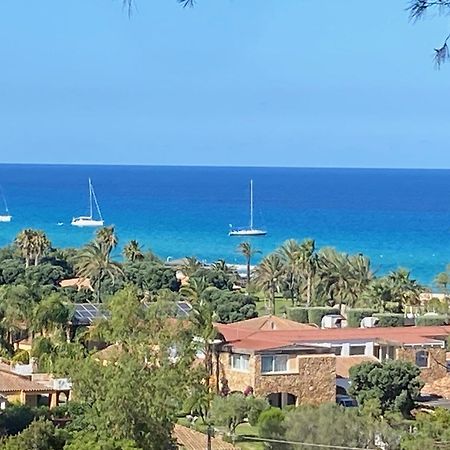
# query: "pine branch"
417,10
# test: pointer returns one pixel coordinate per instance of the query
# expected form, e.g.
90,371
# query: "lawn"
244,429
281,305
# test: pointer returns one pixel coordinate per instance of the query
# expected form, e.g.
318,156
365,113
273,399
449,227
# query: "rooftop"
243,337
11,382
270,323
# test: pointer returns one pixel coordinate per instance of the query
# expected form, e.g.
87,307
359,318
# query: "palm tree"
195,289
16,306
94,263
335,275
361,276
25,243
202,317
191,265
405,289
289,254
221,266
107,239
132,251
51,314
308,265
41,245
246,250
268,276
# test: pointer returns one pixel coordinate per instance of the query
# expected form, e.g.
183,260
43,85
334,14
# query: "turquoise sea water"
397,217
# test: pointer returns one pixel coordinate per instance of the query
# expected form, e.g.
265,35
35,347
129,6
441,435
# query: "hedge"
354,316
298,314
432,320
390,319
315,314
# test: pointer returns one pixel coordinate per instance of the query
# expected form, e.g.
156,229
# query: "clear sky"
230,82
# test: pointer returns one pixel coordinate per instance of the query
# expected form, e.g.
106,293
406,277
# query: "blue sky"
243,82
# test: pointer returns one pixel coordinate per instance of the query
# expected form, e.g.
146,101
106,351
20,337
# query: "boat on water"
90,221
250,231
6,216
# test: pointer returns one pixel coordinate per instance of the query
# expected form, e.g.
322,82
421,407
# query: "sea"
399,218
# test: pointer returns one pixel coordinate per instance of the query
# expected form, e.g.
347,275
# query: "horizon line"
219,166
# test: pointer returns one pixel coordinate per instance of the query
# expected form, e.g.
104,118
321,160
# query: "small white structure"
369,322
332,321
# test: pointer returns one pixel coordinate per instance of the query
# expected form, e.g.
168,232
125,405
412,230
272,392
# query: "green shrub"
390,319
21,356
354,316
298,314
15,418
271,424
256,406
315,314
424,321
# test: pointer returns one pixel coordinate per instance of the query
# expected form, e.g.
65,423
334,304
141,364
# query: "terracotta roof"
344,363
11,382
260,339
194,440
270,323
79,283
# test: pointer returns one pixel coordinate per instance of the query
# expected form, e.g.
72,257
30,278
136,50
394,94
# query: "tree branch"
417,10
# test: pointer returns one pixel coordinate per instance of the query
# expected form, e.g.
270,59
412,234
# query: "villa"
292,363
19,383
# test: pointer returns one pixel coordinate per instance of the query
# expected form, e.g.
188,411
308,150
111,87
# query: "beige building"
19,385
292,363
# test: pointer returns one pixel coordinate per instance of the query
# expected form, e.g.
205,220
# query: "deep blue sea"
397,217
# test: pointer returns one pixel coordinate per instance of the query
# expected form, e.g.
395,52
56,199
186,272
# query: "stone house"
291,363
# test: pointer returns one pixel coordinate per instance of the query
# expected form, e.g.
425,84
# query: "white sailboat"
89,221
6,217
250,231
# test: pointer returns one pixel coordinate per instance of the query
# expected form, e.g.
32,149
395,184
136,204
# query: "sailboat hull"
86,222
5,218
247,233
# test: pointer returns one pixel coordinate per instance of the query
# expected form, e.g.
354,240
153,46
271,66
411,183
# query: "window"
239,362
337,350
273,364
422,359
357,349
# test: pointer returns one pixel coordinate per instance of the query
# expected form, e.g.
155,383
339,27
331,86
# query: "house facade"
291,363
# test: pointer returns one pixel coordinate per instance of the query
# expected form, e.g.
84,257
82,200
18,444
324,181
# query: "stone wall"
314,381
237,380
436,361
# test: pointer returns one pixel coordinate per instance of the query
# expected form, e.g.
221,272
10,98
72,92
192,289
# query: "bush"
424,321
15,418
396,384
298,314
271,424
354,316
21,356
257,405
315,314
390,319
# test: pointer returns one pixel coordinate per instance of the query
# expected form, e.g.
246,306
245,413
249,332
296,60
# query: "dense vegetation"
133,401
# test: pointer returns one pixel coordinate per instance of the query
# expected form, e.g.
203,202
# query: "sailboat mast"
90,198
4,200
251,204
